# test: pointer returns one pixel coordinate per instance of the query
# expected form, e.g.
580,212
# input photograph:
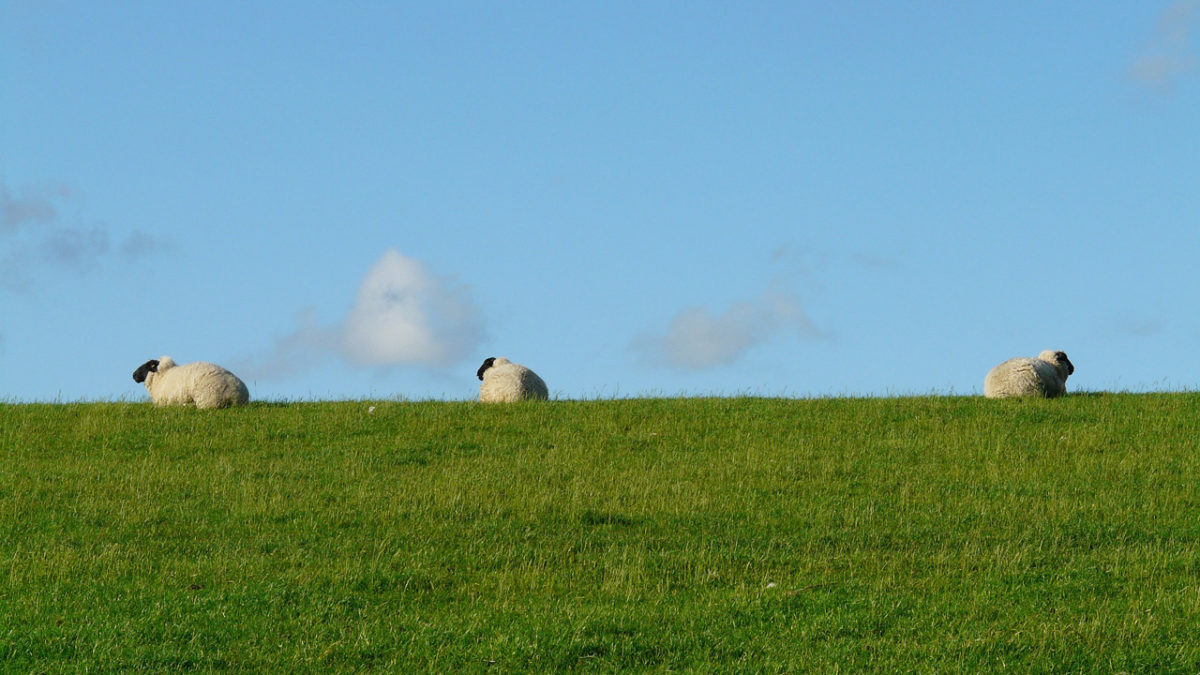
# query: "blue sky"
351,200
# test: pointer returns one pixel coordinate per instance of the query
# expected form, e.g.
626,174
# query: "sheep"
207,385
505,381
1044,376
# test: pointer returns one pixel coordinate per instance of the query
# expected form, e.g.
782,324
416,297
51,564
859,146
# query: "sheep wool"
204,384
505,382
1044,376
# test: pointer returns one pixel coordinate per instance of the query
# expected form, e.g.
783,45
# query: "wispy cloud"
872,260
34,206
696,338
139,245
403,315
301,350
35,241
808,262
1137,326
1169,54
74,248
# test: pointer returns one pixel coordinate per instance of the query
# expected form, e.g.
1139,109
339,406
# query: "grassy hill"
834,535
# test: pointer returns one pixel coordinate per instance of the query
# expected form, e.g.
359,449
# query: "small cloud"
140,245
75,249
872,260
402,315
696,338
35,206
805,262
1169,54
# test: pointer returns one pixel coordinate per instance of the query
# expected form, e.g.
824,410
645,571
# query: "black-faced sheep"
1044,376
505,381
204,384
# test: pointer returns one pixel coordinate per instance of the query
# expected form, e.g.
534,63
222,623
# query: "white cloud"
696,338
402,315
1169,53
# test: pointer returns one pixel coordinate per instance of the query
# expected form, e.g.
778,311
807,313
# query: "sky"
800,199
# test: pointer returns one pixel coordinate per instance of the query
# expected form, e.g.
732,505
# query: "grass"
730,535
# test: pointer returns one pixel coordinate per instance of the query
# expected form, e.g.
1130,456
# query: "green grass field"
764,535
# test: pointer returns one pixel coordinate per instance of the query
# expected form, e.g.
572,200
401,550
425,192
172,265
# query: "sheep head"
487,363
1061,357
1060,360
146,368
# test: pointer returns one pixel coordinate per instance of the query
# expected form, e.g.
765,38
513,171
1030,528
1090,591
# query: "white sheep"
205,384
505,381
1044,376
